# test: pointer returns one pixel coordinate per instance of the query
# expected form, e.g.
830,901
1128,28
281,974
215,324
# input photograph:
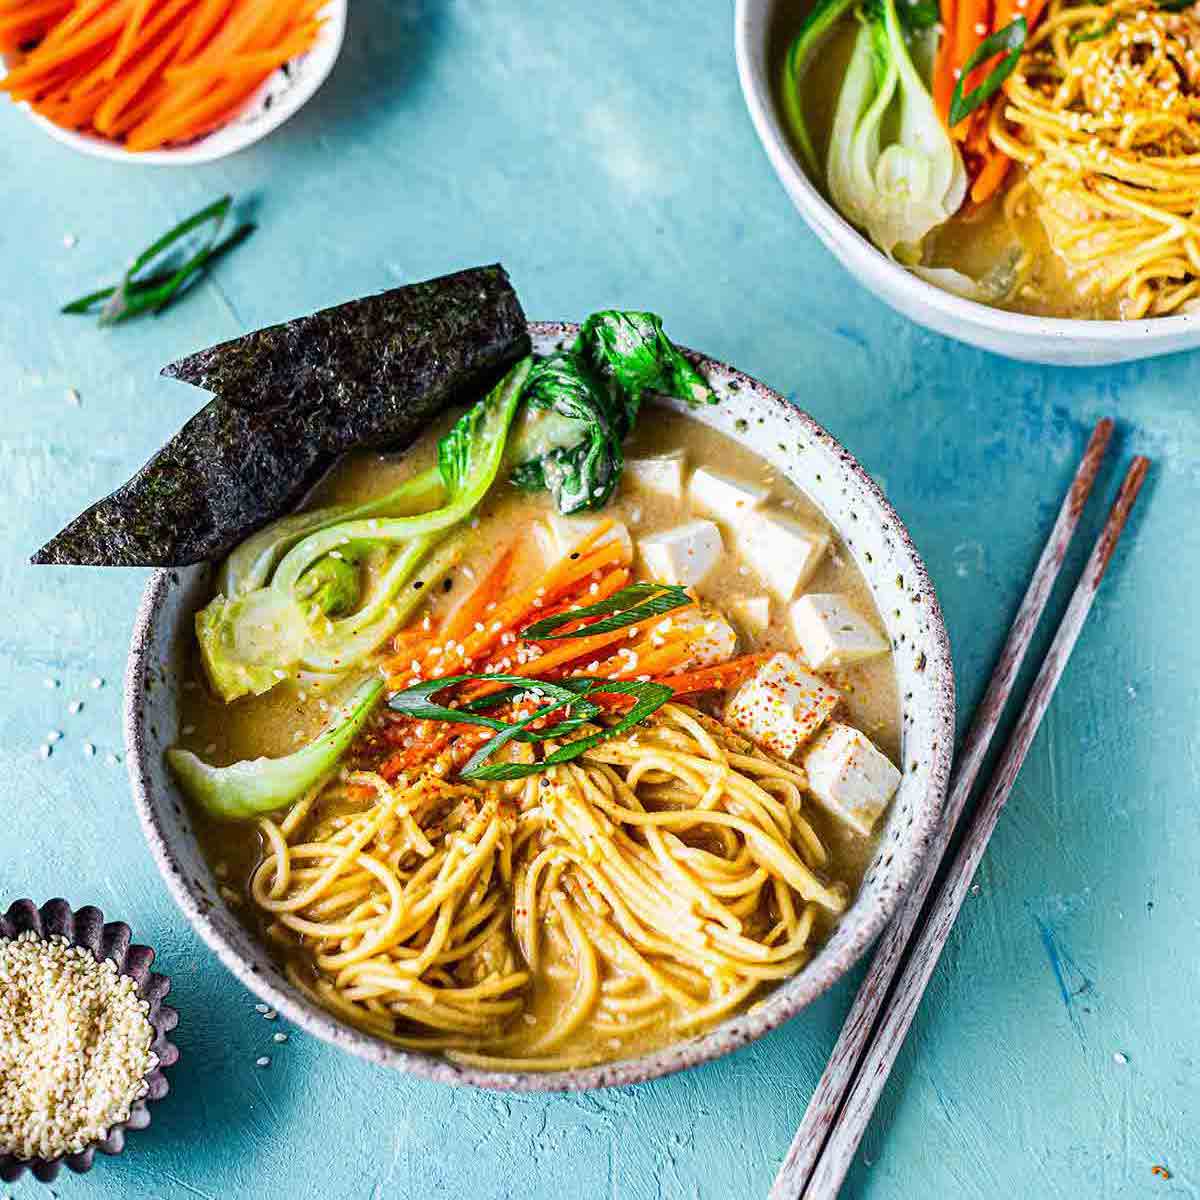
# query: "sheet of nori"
290,400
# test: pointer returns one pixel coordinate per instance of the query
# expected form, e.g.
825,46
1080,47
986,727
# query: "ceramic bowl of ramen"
1061,314
658,901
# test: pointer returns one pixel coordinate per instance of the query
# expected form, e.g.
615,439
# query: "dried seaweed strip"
290,400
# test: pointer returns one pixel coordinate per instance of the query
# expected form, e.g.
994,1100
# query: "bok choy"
321,591
891,168
257,786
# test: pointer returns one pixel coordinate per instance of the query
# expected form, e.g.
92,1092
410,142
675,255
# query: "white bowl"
281,96
1058,341
870,532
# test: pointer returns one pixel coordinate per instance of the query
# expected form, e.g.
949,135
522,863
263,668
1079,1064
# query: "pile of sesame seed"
74,1047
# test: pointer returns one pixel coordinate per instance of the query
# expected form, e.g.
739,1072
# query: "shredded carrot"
965,25
707,678
471,610
148,72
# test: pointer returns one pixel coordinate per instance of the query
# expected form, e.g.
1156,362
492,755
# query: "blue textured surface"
603,153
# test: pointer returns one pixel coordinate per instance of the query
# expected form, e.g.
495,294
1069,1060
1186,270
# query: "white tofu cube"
832,633
781,705
728,499
712,639
752,613
685,555
558,535
850,777
784,553
662,475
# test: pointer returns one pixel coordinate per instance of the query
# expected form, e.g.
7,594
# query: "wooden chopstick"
877,1063
843,1062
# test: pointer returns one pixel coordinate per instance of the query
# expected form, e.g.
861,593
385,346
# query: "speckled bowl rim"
771,1012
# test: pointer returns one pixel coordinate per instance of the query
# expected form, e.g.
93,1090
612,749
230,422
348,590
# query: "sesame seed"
50,683
76,706
73,397
280,1038
83,1040
89,749
263,1061
45,751
97,682
54,735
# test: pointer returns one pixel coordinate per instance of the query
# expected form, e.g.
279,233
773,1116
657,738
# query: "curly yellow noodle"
642,892
1103,112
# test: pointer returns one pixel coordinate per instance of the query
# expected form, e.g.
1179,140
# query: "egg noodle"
1103,110
649,888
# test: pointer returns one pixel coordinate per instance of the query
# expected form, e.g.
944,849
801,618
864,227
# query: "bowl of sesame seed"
83,1037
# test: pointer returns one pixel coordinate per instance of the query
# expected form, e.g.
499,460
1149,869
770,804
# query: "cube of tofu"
850,777
712,639
833,633
558,535
726,498
781,705
661,475
685,555
784,553
752,613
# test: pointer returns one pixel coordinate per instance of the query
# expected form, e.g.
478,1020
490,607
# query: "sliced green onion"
630,605
1011,39
650,697
416,702
154,292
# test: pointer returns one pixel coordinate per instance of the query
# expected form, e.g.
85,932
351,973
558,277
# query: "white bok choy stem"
892,167
261,785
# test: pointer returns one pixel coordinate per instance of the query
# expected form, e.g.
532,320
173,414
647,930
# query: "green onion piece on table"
151,285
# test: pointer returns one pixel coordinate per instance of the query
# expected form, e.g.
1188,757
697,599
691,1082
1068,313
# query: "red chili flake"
1160,1171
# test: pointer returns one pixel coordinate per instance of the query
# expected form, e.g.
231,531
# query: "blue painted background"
603,153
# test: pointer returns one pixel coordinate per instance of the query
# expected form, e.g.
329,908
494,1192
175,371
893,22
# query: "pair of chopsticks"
883,1010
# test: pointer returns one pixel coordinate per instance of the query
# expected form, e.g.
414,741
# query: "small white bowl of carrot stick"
171,82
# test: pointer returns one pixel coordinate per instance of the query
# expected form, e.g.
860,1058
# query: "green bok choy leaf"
581,404
251,788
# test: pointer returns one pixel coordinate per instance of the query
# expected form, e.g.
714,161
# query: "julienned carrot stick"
200,28
472,609
194,120
707,678
128,38
136,77
991,176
